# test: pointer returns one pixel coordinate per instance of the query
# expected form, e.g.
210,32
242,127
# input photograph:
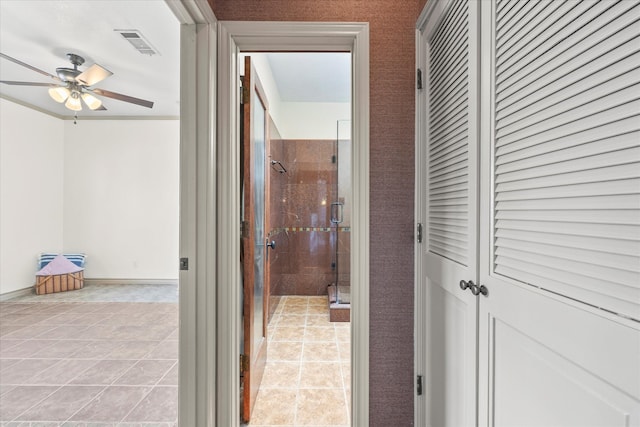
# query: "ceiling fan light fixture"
73,102
59,94
91,101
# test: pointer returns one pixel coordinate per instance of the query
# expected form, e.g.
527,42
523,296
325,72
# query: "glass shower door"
341,212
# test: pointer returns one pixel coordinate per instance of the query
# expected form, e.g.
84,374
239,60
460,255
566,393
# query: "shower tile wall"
300,216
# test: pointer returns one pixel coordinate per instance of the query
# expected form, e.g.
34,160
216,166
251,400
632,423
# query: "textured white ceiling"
41,33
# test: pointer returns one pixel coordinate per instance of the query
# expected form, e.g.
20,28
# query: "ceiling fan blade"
9,82
31,67
121,97
93,75
101,108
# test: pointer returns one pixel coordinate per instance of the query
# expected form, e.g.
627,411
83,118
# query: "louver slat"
567,151
448,135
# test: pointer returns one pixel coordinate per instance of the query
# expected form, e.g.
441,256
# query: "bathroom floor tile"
318,320
320,375
343,334
288,333
277,407
320,300
297,309
317,309
295,300
320,333
298,391
320,351
344,348
281,375
312,405
284,351
292,320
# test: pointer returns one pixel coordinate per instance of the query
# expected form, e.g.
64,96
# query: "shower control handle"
337,212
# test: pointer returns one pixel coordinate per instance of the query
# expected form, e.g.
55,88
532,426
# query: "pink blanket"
59,265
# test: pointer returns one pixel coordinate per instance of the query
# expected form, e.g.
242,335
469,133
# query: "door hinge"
244,229
184,263
419,233
244,95
244,363
419,79
419,385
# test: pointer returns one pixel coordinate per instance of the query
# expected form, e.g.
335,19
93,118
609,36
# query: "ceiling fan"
71,85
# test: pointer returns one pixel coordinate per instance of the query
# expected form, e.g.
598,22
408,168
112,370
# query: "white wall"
121,200
109,189
297,120
312,120
269,86
31,192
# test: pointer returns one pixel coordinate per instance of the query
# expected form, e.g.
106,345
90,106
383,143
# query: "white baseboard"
29,290
17,293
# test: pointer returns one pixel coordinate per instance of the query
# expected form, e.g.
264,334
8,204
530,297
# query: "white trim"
421,354
17,294
197,302
94,281
419,304
82,118
312,36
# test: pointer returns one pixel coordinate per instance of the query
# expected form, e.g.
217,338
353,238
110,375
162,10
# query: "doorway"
297,199
105,333
275,36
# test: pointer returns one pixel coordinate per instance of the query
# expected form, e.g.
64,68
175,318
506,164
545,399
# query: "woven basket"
59,283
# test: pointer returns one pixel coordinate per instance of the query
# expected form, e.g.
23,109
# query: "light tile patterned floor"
78,364
307,376
75,360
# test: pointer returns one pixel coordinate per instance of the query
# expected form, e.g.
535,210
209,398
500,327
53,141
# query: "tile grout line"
37,403
300,367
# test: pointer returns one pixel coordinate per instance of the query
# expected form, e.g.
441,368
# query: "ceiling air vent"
138,42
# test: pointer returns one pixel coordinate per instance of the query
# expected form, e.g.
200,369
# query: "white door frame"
419,301
283,36
196,393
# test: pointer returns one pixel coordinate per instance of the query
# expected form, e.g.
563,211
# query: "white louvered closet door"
560,214
448,200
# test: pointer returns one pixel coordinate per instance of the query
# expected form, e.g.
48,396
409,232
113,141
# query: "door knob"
464,284
477,290
271,244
